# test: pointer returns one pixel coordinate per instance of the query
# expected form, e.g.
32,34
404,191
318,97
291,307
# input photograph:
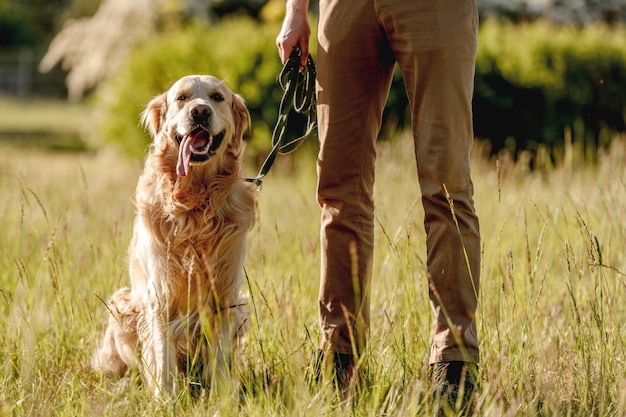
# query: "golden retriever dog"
184,311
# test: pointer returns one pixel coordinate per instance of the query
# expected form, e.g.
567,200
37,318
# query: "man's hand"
295,31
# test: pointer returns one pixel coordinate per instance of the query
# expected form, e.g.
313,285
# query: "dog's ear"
241,116
153,117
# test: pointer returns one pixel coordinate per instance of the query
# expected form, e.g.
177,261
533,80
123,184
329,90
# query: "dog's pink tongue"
187,145
184,156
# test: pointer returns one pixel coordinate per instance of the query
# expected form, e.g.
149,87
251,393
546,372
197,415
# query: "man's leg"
435,42
354,73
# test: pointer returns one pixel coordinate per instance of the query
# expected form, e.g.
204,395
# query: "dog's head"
201,119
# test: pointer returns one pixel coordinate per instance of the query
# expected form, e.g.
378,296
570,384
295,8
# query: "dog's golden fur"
184,309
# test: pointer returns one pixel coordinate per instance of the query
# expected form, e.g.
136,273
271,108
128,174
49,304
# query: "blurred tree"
580,12
76,9
28,22
226,7
33,23
91,49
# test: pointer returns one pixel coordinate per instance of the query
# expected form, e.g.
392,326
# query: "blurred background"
75,74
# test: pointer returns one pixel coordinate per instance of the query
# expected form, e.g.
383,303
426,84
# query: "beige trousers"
434,43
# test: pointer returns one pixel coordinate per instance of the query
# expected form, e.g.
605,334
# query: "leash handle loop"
299,103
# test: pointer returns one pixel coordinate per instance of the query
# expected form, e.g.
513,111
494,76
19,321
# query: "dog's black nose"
200,113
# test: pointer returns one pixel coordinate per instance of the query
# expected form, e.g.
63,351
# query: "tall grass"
551,315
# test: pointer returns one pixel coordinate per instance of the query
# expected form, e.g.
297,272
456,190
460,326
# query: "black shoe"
455,384
343,369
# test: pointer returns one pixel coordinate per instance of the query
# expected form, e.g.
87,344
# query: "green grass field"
551,322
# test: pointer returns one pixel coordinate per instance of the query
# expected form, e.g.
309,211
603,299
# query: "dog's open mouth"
195,148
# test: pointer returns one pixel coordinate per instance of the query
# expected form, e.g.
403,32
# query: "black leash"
297,117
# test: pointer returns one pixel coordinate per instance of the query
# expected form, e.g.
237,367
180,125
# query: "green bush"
241,52
533,81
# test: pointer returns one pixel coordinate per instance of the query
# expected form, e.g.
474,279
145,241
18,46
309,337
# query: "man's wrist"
297,6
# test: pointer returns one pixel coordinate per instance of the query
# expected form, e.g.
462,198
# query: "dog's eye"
181,97
217,97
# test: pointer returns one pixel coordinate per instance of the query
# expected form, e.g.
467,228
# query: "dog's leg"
106,357
216,369
160,354
230,326
227,321
118,348
158,347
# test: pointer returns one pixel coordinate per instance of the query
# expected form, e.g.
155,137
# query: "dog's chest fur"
190,224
